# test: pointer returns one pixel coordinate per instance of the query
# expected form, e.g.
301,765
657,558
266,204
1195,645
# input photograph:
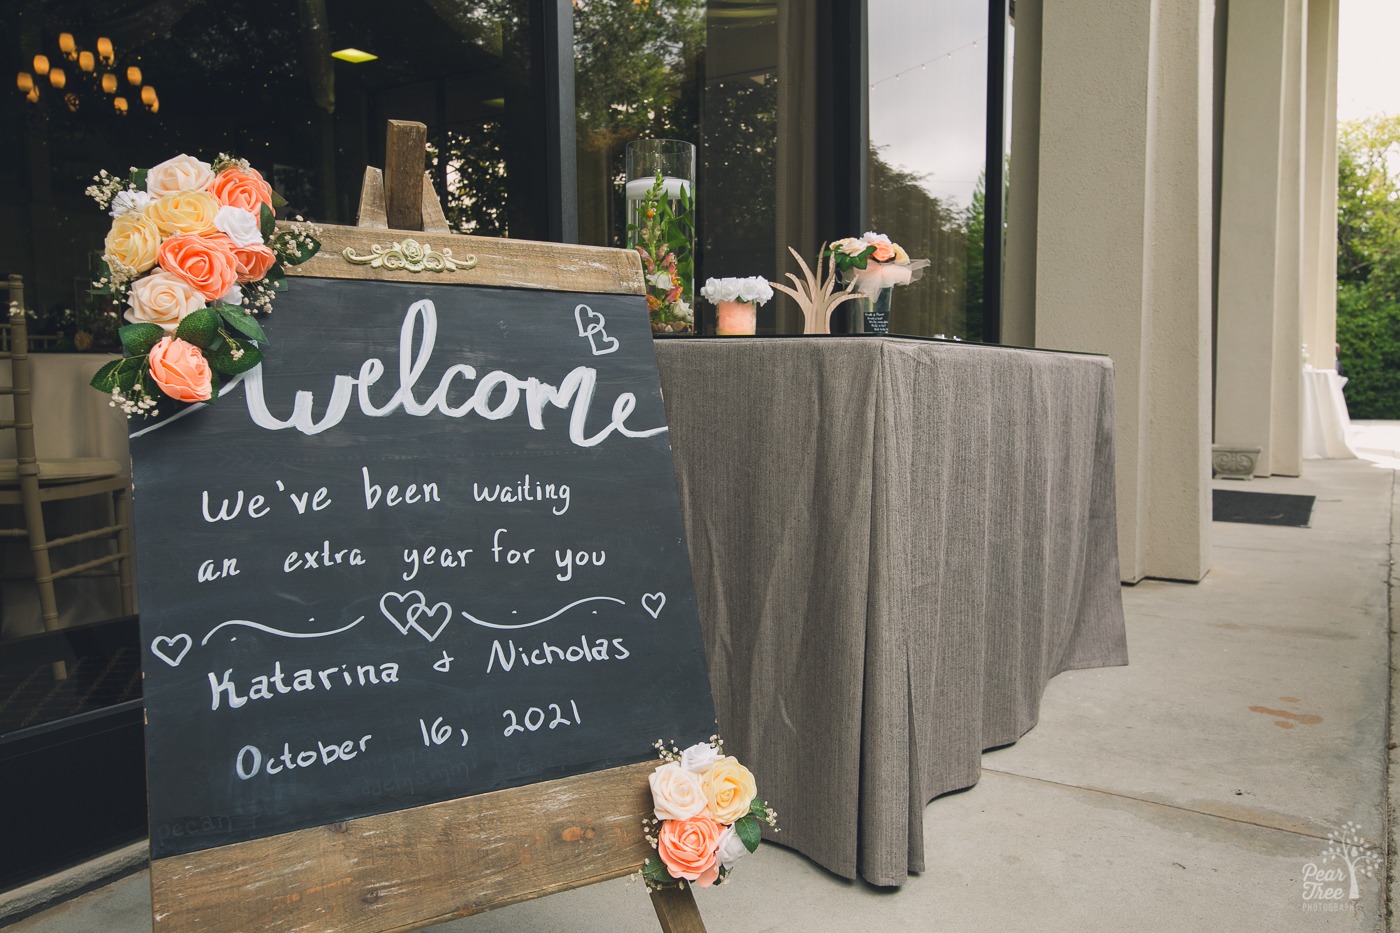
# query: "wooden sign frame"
409,869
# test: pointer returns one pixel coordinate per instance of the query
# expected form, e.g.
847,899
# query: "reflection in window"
701,72
928,101
257,79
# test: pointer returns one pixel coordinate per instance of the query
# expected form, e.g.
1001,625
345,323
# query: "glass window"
926,181
706,73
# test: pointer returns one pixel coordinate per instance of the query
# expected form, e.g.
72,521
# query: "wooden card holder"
408,869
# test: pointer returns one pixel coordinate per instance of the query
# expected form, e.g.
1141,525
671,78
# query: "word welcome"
575,390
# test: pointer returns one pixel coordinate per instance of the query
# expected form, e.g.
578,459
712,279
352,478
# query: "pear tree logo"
1333,882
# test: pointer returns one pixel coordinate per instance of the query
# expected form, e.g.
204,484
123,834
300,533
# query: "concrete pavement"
1192,790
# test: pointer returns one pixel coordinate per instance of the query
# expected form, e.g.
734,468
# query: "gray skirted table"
896,544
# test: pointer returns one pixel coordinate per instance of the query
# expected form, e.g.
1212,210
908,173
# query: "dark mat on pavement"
1262,508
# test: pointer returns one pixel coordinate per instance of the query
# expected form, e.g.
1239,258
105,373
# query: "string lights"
923,66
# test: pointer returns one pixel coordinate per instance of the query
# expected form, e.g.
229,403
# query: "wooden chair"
27,481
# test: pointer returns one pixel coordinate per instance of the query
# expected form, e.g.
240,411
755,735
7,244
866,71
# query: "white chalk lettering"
574,391
524,491
223,690
250,759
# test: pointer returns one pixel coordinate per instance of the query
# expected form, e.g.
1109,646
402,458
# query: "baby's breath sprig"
105,187
225,161
138,402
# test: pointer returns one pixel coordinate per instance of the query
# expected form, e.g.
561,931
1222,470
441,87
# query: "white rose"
234,296
699,757
661,280
129,202
683,311
873,237
182,173
731,848
238,225
676,793
164,299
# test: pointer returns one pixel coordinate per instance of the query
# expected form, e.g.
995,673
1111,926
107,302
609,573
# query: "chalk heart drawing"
165,648
416,614
652,603
590,325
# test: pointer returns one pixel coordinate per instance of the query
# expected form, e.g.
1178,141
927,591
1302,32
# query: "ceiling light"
356,56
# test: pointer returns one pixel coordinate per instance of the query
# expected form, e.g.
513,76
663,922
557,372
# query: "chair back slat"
20,382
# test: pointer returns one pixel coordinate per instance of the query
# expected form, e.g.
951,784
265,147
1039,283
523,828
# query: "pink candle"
736,318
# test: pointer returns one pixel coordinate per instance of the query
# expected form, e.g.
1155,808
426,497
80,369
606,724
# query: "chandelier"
95,75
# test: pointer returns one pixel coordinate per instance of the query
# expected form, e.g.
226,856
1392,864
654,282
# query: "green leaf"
213,388
199,328
119,374
748,832
221,360
138,179
291,250
137,339
655,871
759,808
268,220
278,202
242,321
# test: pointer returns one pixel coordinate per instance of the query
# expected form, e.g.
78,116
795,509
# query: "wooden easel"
414,868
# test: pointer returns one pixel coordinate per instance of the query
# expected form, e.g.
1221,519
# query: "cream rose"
676,793
182,173
164,299
729,789
186,212
133,242
730,849
698,758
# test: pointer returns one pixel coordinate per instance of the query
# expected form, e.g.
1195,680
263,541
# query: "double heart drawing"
409,608
590,325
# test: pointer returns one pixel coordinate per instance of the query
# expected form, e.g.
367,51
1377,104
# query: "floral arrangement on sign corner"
193,253
707,816
873,263
662,236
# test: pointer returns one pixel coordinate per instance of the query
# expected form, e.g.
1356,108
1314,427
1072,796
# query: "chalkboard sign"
431,548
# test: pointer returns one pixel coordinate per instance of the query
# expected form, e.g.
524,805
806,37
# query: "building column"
1320,186
1018,285
1122,254
1259,326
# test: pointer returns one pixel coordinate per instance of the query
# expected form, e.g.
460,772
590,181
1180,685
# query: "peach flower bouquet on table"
874,262
193,253
708,814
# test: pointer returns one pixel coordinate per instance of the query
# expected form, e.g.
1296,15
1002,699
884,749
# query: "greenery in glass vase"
663,236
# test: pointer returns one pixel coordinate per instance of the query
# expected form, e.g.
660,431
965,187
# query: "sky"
1368,76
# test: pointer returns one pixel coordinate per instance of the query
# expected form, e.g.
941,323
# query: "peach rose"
206,262
164,299
182,173
253,261
247,190
186,212
676,793
884,252
730,789
687,849
132,242
181,370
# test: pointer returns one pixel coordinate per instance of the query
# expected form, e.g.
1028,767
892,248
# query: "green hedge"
1369,333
